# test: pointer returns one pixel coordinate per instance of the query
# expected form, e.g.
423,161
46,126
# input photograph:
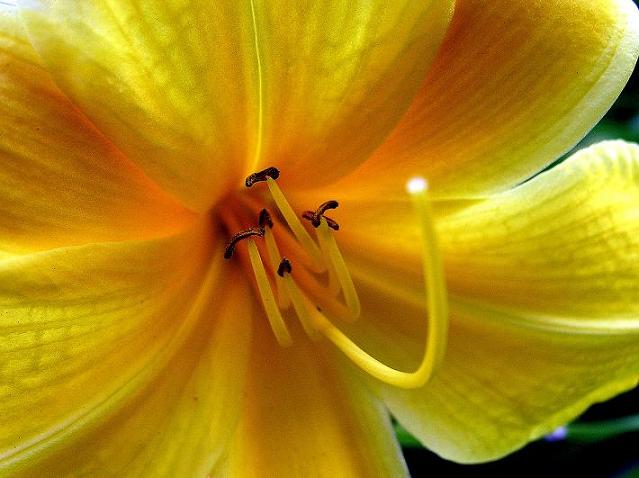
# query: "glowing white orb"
416,185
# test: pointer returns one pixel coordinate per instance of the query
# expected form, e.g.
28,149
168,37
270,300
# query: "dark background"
616,457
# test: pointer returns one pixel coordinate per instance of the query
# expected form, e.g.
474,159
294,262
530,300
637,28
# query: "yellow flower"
130,347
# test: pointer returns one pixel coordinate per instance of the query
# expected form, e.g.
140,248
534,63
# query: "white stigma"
416,185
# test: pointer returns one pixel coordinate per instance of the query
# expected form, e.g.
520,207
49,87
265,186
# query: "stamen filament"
437,313
329,246
274,257
268,300
334,287
334,308
296,226
300,306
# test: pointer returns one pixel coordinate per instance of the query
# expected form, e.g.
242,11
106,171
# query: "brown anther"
325,206
284,267
230,246
265,219
331,223
263,175
315,218
310,216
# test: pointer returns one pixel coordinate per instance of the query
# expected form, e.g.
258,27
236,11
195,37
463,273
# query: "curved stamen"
333,283
433,268
315,218
268,300
338,267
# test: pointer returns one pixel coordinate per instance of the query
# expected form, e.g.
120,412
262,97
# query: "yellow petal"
332,68
82,328
564,244
305,415
502,383
544,304
177,425
171,83
61,182
515,85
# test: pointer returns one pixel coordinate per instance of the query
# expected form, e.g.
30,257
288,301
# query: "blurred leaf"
607,129
588,432
406,440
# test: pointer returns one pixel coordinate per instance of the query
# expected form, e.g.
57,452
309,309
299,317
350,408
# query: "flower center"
314,278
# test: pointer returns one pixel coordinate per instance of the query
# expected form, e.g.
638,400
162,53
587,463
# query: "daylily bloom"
130,347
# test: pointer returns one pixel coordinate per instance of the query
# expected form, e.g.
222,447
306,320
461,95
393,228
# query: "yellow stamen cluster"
326,257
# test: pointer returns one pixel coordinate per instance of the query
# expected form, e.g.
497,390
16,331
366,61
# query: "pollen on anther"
270,172
230,246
